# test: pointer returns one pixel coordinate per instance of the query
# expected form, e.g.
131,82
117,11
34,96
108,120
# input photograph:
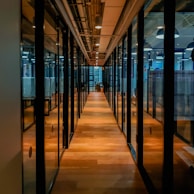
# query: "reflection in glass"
134,88
27,101
184,100
125,86
52,53
119,85
76,58
61,93
153,97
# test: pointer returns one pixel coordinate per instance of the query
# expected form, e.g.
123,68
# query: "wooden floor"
98,160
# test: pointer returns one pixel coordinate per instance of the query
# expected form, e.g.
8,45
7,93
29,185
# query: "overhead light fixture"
179,51
160,56
147,46
33,23
190,46
97,41
160,33
98,22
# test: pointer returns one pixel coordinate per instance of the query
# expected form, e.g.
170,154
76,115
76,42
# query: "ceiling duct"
67,15
84,21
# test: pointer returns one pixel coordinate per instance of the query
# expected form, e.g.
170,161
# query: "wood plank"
98,160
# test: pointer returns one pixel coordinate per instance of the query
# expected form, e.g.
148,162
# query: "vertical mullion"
79,82
129,42
58,90
72,81
39,102
169,22
140,36
122,83
114,82
66,89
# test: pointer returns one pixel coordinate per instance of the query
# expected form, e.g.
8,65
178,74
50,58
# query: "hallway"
98,160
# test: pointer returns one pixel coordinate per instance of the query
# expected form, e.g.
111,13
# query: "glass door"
28,96
184,98
119,85
153,134
124,61
133,96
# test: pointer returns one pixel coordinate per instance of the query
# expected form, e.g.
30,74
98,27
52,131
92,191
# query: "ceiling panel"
113,3
111,15
107,30
104,41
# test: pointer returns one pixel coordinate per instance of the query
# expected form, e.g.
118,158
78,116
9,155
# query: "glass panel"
184,98
51,58
82,85
91,79
133,88
107,80
69,90
153,94
116,83
119,88
28,96
95,78
61,91
110,82
75,87
125,86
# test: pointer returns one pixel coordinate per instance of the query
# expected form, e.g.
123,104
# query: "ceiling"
116,15
80,16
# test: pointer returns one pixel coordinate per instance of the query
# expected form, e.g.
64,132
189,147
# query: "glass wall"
52,52
184,98
110,82
124,62
61,94
53,92
95,78
76,58
134,88
153,93
28,96
69,87
84,82
115,69
119,85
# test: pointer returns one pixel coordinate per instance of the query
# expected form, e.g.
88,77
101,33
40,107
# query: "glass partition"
28,84
184,98
52,53
153,93
124,61
28,96
110,83
61,90
134,88
76,58
119,85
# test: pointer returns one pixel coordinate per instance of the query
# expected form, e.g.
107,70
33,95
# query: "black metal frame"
66,88
79,82
39,102
169,22
72,83
129,44
140,37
